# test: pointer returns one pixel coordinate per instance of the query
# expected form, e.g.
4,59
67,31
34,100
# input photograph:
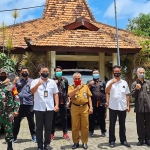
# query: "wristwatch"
91,108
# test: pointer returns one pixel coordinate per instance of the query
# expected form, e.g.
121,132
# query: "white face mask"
141,76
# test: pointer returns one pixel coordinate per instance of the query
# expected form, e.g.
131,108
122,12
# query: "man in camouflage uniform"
9,106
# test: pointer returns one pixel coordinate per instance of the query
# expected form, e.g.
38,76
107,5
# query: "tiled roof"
49,31
67,10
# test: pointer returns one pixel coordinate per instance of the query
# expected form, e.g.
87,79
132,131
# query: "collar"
138,81
119,80
24,79
55,78
48,80
82,85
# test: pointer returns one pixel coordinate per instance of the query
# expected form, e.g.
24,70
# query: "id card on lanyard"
45,91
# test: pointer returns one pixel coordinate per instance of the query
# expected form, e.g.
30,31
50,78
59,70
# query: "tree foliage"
5,59
7,63
140,25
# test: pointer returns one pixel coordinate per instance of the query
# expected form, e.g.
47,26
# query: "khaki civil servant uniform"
80,114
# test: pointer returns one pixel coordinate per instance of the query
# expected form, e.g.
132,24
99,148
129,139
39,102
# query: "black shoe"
47,147
9,146
112,144
75,145
84,146
125,143
90,134
39,148
147,142
140,143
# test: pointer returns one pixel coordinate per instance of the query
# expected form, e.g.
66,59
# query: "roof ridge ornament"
81,23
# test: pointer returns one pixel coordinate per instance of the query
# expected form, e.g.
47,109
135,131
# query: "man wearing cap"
9,106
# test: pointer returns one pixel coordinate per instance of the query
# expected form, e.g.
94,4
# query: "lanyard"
44,85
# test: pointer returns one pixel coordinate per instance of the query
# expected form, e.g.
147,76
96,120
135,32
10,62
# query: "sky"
103,10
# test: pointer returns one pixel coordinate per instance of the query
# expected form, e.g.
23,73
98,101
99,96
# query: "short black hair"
41,67
57,67
95,69
24,67
116,66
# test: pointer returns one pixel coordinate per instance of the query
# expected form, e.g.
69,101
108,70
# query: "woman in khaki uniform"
80,109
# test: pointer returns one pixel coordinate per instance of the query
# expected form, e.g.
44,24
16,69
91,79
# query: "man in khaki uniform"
80,110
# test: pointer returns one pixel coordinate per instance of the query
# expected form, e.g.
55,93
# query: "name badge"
45,93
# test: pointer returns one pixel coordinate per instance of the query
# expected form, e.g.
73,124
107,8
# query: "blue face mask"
96,76
59,74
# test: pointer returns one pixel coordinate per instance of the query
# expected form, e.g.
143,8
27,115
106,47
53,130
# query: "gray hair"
76,73
140,69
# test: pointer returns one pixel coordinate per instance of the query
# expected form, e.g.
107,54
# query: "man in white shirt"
119,103
45,92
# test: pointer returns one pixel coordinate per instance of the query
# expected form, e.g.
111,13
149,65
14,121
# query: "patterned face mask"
141,75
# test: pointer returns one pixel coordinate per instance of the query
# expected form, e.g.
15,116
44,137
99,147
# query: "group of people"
44,97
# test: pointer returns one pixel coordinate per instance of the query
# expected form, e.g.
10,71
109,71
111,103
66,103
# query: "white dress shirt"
117,98
42,103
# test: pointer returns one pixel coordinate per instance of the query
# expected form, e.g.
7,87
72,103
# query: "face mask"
96,76
25,74
117,74
77,82
3,78
44,75
141,76
59,74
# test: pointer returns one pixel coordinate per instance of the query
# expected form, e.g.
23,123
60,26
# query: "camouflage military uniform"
9,103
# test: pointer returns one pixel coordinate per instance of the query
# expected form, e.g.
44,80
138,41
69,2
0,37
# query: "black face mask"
117,74
3,78
44,75
25,74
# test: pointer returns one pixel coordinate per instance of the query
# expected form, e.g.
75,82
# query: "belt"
79,105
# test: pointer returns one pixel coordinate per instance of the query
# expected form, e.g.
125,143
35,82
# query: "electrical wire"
21,8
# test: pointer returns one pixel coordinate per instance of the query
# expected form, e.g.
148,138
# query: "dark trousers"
43,118
63,113
101,112
28,111
112,121
143,126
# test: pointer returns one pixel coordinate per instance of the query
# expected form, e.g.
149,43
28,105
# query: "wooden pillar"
102,65
51,62
114,58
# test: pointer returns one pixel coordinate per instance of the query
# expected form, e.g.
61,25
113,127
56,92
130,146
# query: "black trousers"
100,111
28,111
63,113
43,118
143,126
112,121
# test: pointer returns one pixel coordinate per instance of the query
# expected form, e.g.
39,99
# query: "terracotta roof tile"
49,31
67,9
